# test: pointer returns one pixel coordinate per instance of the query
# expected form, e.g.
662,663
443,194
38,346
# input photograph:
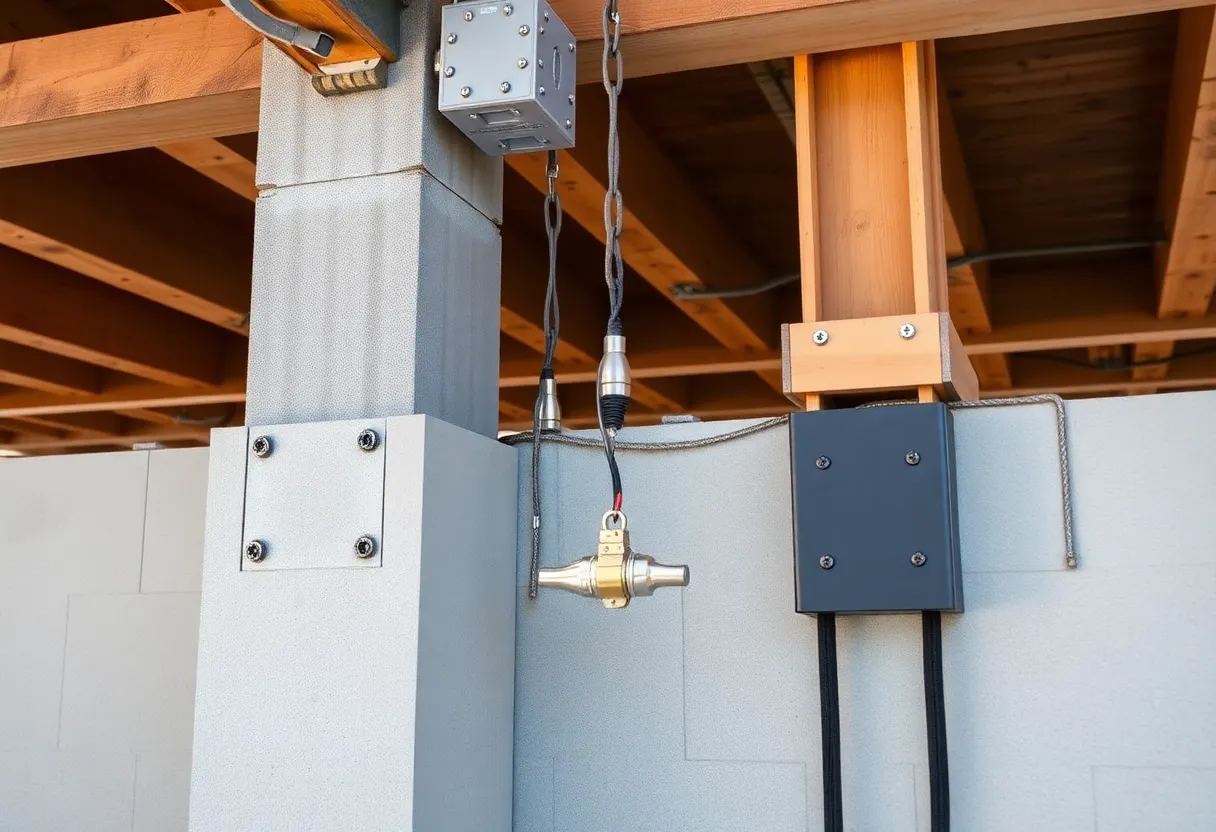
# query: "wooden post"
870,221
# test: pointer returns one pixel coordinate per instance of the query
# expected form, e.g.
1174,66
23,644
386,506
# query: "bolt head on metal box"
876,529
507,78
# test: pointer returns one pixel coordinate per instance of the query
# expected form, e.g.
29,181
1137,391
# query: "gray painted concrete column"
334,692
376,259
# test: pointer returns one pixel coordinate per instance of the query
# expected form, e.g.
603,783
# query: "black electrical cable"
829,724
935,721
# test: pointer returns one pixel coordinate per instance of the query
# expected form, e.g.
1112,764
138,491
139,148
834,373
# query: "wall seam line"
143,532
63,671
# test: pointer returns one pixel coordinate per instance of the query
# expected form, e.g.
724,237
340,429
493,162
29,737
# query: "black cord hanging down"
829,723
935,720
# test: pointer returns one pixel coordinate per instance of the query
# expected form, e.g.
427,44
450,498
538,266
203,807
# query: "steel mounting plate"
314,495
873,495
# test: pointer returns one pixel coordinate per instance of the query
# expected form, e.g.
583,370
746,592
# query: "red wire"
616,502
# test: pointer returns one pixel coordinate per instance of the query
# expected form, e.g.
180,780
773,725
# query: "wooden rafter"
1186,267
121,396
671,237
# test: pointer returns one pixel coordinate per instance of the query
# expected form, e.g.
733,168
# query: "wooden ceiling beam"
52,309
671,237
139,84
197,74
90,216
1186,266
23,366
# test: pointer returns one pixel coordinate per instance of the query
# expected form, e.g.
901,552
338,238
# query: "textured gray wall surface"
100,560
364,699
1076,700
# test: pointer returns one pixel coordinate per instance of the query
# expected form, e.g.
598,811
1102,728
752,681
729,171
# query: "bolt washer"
907,331
918,559
262,447
912,458
827,562
823,463
368,440
820,337
255,551
365,547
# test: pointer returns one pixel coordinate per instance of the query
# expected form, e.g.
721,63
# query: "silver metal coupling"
615,382
550,409
615,573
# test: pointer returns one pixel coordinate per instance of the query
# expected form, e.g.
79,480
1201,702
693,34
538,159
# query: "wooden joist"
218,162
38,370
124,395
964,234
49,308
1035,376
1186,267
95,217
140,84
671,237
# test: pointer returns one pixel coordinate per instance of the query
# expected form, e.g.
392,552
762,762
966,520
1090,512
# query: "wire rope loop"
553,215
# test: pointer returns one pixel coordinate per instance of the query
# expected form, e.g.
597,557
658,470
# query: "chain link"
614,203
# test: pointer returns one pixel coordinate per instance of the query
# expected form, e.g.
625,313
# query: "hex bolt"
823,463
912,458
571,47
255,551
546,17
540,30
468,17
507,9
504,87
827,562
465,92
365,547
820,337
522,63
368,440
907,331
524,31
570,98
448,72
918,559
262,447
541,90
451,37
569,124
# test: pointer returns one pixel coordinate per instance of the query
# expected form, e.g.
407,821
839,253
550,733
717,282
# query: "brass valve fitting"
615,573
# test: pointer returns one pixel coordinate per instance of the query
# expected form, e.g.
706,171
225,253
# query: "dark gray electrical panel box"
875,510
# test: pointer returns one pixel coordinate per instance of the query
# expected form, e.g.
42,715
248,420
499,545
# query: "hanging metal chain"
552,325
553,229
614,204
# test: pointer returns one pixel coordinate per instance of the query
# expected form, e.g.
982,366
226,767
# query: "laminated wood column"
870,220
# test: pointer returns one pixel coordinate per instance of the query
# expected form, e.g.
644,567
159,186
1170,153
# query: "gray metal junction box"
507,75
